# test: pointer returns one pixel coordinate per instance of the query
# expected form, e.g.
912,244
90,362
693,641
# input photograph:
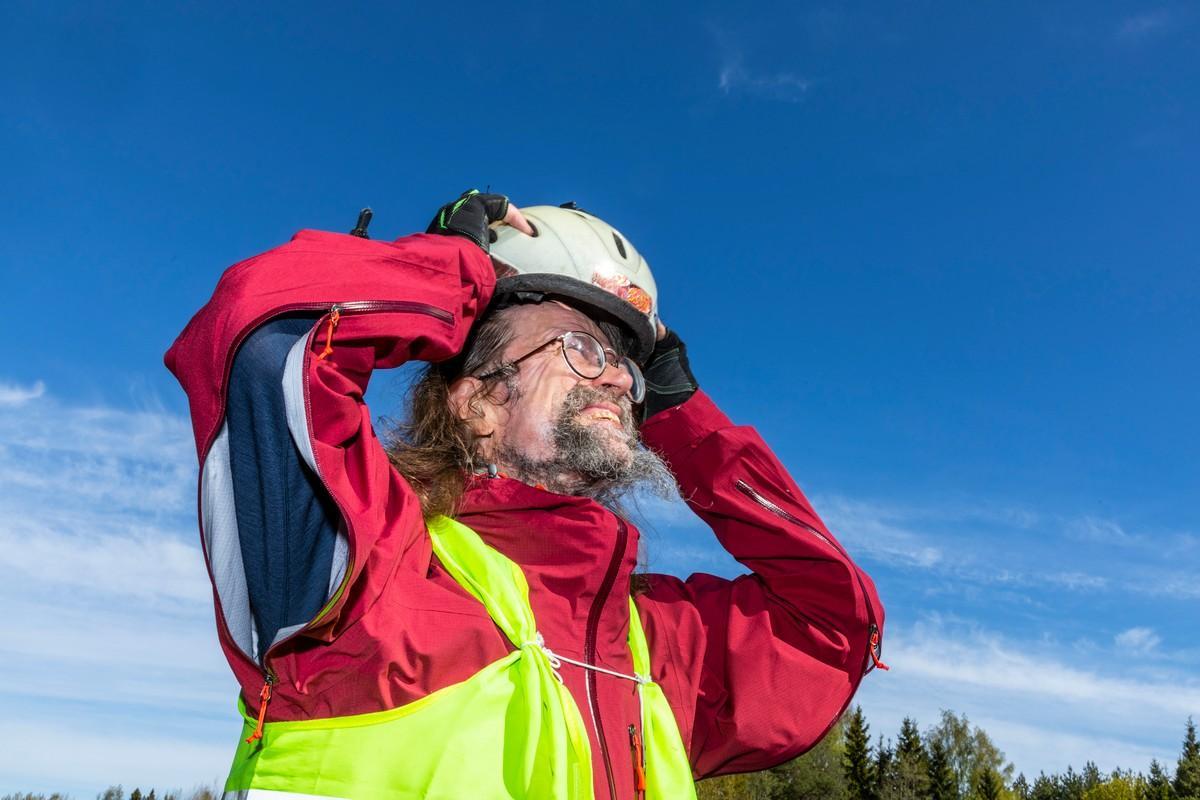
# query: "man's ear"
468,402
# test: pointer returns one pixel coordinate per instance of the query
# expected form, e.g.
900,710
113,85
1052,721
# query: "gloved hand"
470,215
669,379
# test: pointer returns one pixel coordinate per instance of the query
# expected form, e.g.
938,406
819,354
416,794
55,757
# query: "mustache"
583,396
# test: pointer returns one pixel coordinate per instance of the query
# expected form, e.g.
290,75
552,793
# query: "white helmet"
580,257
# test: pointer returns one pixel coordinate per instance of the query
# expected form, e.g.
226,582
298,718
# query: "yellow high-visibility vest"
511,730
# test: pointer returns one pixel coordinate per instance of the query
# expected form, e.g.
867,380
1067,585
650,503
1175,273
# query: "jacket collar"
570,549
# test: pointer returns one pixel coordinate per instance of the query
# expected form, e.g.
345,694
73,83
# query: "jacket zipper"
589,648
749,491
264,697
333,315
639,763
874,645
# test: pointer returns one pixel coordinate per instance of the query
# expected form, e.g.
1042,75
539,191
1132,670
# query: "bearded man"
455,612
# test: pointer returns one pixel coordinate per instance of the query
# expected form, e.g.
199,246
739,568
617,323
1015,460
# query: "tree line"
953,760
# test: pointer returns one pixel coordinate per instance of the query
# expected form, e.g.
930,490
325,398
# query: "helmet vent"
620,245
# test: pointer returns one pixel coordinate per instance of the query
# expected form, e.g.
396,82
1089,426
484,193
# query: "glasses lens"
584,354
637,392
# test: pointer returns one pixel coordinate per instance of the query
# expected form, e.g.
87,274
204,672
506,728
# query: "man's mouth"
602,413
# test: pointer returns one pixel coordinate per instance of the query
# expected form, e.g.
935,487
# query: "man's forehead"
537,321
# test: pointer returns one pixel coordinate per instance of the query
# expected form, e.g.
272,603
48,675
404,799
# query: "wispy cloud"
1027,692
736,78
1102,531
1076,580
878,531
14,395
109,639
1142,26
1137,640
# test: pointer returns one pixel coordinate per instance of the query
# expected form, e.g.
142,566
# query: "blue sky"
944,257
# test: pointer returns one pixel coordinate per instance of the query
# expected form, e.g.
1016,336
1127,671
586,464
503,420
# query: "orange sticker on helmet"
620,286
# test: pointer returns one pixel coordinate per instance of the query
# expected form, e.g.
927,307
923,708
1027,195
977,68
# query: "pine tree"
988,785
911,768
885,769
942,785
1020,787
1158,783
1187,770
136,794
1046,788
1071,783
856,759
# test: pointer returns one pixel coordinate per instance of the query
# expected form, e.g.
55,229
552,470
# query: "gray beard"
585,461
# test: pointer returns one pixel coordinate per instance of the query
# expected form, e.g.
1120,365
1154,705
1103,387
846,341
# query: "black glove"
469,215
669,379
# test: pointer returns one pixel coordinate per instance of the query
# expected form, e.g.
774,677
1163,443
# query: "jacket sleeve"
378,305
757,668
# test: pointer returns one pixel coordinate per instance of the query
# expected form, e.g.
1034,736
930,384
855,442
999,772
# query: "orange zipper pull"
639,763
874,649
335,314
264,698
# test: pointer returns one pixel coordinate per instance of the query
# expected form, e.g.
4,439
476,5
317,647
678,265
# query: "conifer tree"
1187,771
885,769
136,794
1047,788
1020,787
1091,776
988,785
1158,783
856,759
911,767
942,784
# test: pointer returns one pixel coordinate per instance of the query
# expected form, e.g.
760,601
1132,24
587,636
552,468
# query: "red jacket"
756,669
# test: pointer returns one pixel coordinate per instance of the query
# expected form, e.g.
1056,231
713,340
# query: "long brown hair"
433,449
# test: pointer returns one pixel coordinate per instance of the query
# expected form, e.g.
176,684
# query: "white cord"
556,662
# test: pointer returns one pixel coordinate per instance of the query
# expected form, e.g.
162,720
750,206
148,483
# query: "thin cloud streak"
13,395
1030,693
1143,26
735,78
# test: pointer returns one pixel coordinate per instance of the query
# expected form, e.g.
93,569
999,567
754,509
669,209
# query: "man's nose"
615,378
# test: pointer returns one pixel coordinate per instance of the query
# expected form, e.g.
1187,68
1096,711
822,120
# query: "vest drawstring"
556,662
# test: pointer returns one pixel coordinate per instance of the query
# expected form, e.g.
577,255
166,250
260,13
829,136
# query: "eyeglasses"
586,357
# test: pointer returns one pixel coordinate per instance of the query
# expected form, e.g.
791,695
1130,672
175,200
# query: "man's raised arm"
761,666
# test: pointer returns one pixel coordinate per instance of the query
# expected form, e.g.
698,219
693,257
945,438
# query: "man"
450,614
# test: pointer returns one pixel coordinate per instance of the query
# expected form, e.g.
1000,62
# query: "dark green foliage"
1044,789
1091,776
856,758
1158,783
968,751
942,784
1187,770
910,773
988,785
885,767
1020,787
